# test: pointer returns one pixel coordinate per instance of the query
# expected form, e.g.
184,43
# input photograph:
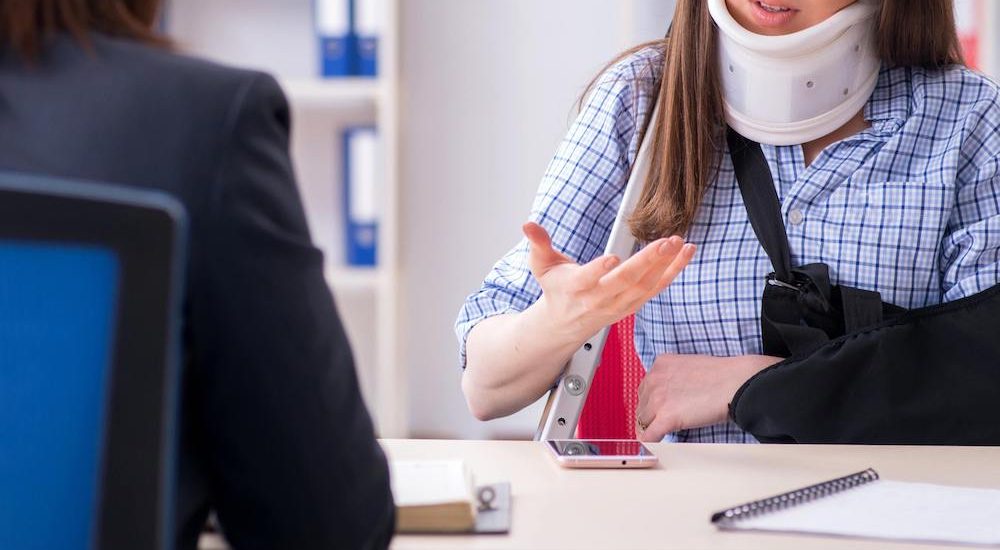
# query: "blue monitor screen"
57,317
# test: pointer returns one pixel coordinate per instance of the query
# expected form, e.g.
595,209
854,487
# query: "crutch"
566,400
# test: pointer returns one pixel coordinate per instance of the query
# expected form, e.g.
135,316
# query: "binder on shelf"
367,28
361,195
333,30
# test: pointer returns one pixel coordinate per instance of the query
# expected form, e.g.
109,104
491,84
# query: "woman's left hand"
691,391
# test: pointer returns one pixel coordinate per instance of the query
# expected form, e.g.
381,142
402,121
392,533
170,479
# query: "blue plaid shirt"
909,207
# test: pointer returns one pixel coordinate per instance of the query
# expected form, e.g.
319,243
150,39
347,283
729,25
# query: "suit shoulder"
187,79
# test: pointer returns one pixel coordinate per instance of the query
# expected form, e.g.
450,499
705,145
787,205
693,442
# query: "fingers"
591,273
655,257
537,235
645,413
657,429
644,288
652,421
634,297
542,256
680,262
643,410
658,278
642,424
611,285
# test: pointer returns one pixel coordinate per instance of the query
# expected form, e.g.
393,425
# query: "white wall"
488,89
990,39
271,35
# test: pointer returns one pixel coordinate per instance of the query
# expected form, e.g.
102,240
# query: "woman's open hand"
691,391
585,298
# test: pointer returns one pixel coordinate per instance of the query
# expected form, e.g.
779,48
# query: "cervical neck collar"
795,88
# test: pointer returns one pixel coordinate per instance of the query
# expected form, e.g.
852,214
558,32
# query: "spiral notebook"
862,505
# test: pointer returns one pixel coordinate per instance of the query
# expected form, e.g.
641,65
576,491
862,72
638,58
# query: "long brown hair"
26,24
689,133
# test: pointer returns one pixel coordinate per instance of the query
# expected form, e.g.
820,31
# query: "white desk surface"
669,507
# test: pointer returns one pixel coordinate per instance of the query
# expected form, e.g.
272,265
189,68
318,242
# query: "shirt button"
796,217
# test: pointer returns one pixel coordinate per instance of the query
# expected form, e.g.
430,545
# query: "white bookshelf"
333,94
279,37
350,279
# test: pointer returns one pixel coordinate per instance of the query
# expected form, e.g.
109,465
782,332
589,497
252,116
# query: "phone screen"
599,448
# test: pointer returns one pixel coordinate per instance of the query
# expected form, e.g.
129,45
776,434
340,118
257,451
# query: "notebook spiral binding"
793,498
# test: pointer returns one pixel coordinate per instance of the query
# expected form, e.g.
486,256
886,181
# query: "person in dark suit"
275,436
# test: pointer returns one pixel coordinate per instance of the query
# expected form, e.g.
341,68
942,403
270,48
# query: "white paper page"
894,510
429,482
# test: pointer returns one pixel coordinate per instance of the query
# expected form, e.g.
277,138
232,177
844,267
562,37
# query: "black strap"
761,199
862,308
801,309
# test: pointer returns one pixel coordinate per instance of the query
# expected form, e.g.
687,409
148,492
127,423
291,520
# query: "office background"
470,101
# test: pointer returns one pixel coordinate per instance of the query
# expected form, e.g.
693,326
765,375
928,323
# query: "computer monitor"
89,303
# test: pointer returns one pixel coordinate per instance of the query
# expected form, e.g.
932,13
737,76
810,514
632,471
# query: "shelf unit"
279,38
331,94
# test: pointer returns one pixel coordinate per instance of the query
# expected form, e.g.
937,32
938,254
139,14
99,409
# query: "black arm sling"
860,370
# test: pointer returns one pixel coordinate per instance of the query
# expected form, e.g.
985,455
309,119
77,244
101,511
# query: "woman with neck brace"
884,153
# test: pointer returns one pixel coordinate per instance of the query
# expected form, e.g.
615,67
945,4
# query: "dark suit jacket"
275,436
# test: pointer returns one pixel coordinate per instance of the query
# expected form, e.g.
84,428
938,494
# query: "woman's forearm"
513,359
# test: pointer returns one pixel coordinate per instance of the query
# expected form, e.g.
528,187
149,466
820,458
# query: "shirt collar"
891,103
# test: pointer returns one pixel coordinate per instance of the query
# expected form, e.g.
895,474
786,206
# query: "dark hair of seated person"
274,435
27,23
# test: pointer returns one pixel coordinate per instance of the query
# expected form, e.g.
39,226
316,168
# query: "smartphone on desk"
601,453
